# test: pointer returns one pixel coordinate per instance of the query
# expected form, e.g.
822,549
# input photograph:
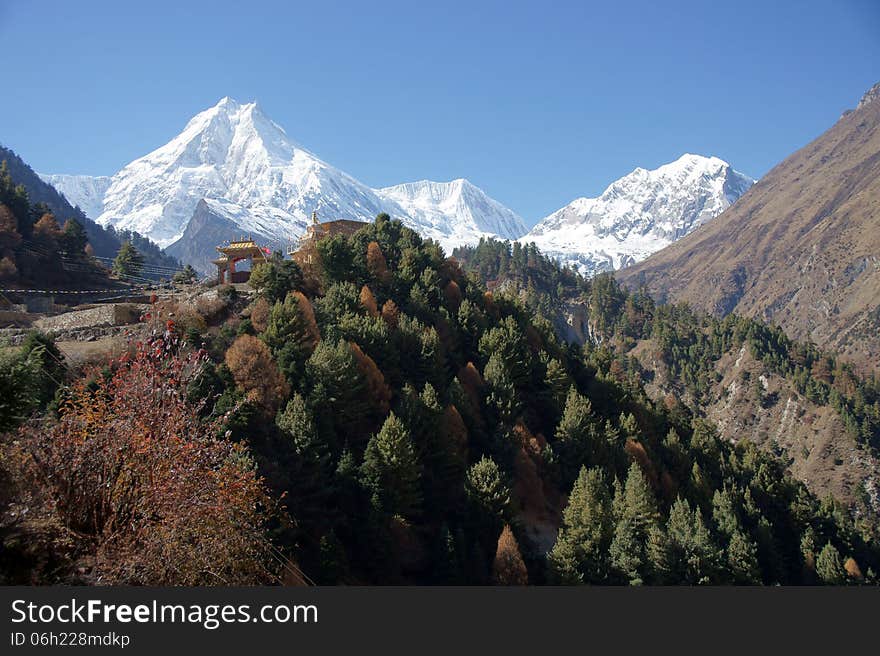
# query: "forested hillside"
414,427
35,250
105,242
805,404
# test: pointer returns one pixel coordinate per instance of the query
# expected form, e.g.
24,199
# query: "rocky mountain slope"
800,249
639,214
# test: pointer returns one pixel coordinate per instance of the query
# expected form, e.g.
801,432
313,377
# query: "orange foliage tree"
9,235
143,488
390,313
376,264
47,227
508,567
452,294
454,427
255,372
368,301
260,314
377,389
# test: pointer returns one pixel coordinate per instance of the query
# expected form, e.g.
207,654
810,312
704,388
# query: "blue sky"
536,102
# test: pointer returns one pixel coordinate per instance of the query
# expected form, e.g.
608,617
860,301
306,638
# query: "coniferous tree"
390,472
580,554
368,301
311,475
73,238
577,441
128,262
636,515
488,495
829,566
377,266
692,555
292,334
508,567
502,395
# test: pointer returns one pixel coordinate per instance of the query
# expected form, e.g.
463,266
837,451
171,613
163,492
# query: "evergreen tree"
829,566
390,472
577,440
742,559
580,554
692,555
311,472
292,334
558,383
186,275
488,497
128,262
502,395
636,515
339,396
73,238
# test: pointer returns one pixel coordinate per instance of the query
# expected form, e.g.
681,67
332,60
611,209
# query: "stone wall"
111,314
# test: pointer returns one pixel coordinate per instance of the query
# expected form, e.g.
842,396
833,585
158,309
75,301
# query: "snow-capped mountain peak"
640,213
455,212
252,175
234,154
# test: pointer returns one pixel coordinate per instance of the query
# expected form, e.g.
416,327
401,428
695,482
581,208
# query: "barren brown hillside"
800,249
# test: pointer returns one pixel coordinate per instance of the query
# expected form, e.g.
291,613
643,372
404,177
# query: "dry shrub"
212,309
8,270
144,489
256,373
379,392
188,318
368,301
508,567
260,314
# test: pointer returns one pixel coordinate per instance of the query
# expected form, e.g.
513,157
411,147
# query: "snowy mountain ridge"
639,214
250,173
233,171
